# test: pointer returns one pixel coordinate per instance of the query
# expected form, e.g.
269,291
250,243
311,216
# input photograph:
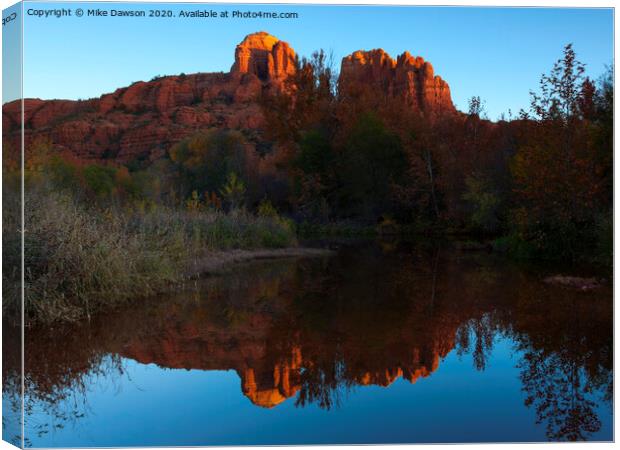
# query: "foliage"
206,159
233,191
484,203
372,161
100,179
307,103
81,257
559,171
266,209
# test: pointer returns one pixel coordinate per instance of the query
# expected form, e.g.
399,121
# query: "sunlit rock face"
143,120
265,56
140,121
408,77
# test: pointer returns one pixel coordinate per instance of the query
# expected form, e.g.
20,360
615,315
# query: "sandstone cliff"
141,121
264,56
409,78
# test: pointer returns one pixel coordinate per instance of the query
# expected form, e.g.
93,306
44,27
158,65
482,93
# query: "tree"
371,163
557,174
100,179
306,102
484,203
425,145
206,159
233,191
473,133
603,136
299,111
314,175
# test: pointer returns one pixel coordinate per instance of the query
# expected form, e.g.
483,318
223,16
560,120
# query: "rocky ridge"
408,77
141,121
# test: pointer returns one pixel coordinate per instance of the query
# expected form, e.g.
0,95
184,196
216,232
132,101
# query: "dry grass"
79,261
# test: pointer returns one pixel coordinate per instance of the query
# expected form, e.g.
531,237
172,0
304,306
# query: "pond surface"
383,342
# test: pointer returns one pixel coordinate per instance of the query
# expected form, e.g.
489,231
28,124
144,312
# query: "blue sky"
496,53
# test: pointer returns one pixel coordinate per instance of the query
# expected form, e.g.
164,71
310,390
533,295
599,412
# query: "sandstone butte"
141,121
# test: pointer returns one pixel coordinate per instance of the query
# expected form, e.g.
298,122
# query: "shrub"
266,209
233,192
79,260
100,179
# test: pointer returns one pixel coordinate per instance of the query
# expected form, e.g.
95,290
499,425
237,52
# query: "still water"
381,342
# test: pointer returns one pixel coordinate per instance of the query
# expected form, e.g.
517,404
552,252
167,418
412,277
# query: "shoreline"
221,262
212,263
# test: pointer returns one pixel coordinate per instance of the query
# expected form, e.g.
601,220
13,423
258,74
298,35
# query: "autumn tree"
558,176
299,125
304,102
233,191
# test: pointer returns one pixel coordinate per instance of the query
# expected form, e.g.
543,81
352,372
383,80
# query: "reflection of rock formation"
307,329
269,378
271,387
262,325
410,373
269,374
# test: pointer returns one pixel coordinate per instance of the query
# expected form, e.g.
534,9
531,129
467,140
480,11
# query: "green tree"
206,159
372,162
233,191
314,175
484,204
100,180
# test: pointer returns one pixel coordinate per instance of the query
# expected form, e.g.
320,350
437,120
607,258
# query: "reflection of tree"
58,385
12,404
65,400
318,328
558,390
567,344
481,331
322,386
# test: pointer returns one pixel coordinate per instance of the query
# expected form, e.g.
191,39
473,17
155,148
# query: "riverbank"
80,260
216,263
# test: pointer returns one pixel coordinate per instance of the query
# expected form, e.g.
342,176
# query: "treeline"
541,181
98,235
347,157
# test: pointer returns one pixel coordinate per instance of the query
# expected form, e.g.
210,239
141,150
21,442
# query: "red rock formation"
407,77
265,56
143,120
140,121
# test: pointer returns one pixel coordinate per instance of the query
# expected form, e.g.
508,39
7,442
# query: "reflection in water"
318,329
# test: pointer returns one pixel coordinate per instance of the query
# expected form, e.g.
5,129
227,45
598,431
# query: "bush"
79,260
266,209
100,179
